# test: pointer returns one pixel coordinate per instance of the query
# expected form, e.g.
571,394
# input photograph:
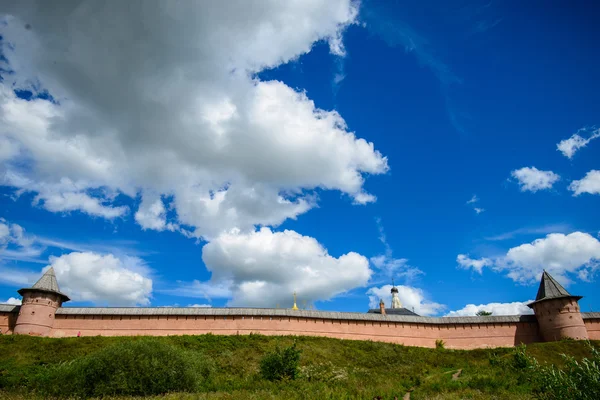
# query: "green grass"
330,368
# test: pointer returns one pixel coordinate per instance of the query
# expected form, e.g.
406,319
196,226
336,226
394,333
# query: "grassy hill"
330,368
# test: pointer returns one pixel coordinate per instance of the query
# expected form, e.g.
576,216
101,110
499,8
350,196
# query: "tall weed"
577,380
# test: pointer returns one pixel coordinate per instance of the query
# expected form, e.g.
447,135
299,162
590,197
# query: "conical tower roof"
47,283
550,289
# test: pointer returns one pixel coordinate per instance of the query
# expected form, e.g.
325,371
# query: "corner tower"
557,312
36,315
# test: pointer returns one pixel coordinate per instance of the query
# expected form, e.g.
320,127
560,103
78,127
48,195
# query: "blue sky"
467,163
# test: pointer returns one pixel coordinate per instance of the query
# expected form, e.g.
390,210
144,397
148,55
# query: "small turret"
39,305
557,311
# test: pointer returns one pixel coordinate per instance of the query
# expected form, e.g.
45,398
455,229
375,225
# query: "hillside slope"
331,368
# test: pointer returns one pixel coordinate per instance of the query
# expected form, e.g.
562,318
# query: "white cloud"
175,109
17,276
12,301
473,200
103,278
589,184
465,262
532,179
4,232
412,298
200,305
515,308
388,266
544,229
69,201
570,146
561,255
152,214
264,268
8,149
17,245
82,275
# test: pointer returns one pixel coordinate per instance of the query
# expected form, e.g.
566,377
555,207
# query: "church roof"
550,289
47,283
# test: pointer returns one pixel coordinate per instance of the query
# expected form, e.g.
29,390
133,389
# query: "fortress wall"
593,327
455,335
7,322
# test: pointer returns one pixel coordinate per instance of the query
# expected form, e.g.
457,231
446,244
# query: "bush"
281,364
440,344
577,381
140,367
520,359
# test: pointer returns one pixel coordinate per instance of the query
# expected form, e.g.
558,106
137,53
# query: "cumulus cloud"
412,298
532,179
83,275
12,301
88,276
175,109
590,183
264,268
568,147
152,214
465,262
575,254
515,308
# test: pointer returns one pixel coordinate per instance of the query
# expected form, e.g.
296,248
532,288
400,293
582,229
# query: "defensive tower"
38,309
557,311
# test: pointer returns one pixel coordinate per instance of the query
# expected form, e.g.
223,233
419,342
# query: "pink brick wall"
7,322
459,336
593,328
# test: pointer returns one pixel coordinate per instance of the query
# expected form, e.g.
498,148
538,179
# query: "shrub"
576,381
140,367
281,364
440,344
520,359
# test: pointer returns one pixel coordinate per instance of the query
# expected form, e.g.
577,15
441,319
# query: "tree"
483,313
